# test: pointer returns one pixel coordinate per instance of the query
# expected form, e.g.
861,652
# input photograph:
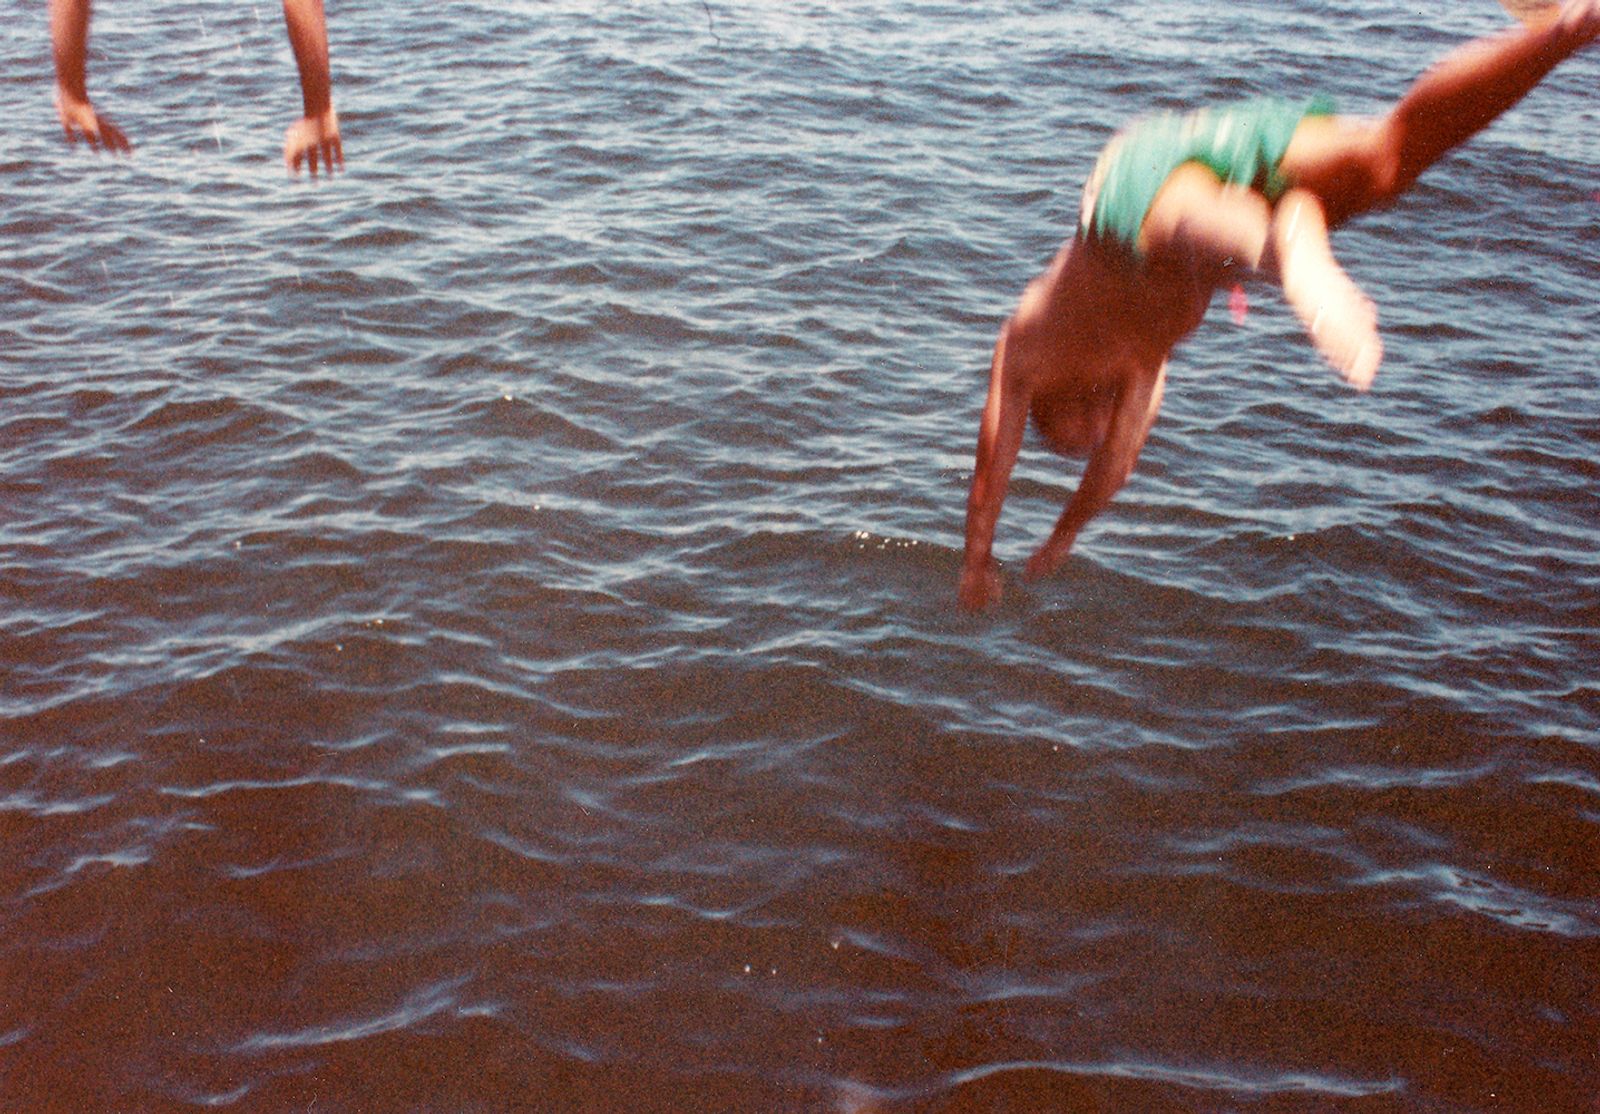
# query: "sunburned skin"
1085,353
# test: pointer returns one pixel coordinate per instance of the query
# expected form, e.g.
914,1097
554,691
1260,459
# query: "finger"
327,155
114,138
338,151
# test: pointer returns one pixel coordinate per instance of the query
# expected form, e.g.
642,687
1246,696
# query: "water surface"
479,634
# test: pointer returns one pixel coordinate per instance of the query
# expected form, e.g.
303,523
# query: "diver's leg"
1196,218
1469,88
1340,320
1354,166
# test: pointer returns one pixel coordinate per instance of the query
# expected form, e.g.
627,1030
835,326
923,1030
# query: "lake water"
479,634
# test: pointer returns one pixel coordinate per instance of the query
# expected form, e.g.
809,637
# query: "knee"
1368,172
1386,171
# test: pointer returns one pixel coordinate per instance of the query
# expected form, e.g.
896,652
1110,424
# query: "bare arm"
1005,414
308,36
69,38
317,132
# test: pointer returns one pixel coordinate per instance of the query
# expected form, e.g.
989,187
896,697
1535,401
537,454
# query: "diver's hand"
980,584
78,118
312,137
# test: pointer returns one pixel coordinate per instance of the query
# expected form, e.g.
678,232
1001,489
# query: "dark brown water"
479,635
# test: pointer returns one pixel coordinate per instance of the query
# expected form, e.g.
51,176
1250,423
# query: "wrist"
72,95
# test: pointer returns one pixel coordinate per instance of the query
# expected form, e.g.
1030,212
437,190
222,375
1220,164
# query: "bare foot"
1341,321
1532,12
1582,17
1576,17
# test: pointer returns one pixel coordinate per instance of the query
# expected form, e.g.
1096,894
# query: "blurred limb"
1338,316
316,134
1353,166
69,37
1005,415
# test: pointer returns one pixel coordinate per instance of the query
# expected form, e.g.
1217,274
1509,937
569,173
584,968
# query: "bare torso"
1094,324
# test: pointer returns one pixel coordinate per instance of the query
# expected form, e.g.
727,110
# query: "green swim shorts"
1242,143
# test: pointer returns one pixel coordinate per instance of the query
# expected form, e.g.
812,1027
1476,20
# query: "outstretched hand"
1046,559
78,118
312,137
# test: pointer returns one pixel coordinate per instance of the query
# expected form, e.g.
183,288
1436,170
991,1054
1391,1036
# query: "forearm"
69,37
983,513
999,440
308,37
991,474
1470,87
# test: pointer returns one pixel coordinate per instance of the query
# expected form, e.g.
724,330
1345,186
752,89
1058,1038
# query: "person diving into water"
1176,205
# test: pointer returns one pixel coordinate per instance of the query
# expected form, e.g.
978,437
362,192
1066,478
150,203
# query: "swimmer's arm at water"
1005,416
316,133
69,38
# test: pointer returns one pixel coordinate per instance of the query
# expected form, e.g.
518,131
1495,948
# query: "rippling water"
479,634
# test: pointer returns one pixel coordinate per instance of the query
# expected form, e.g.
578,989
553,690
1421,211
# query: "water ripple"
482,627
